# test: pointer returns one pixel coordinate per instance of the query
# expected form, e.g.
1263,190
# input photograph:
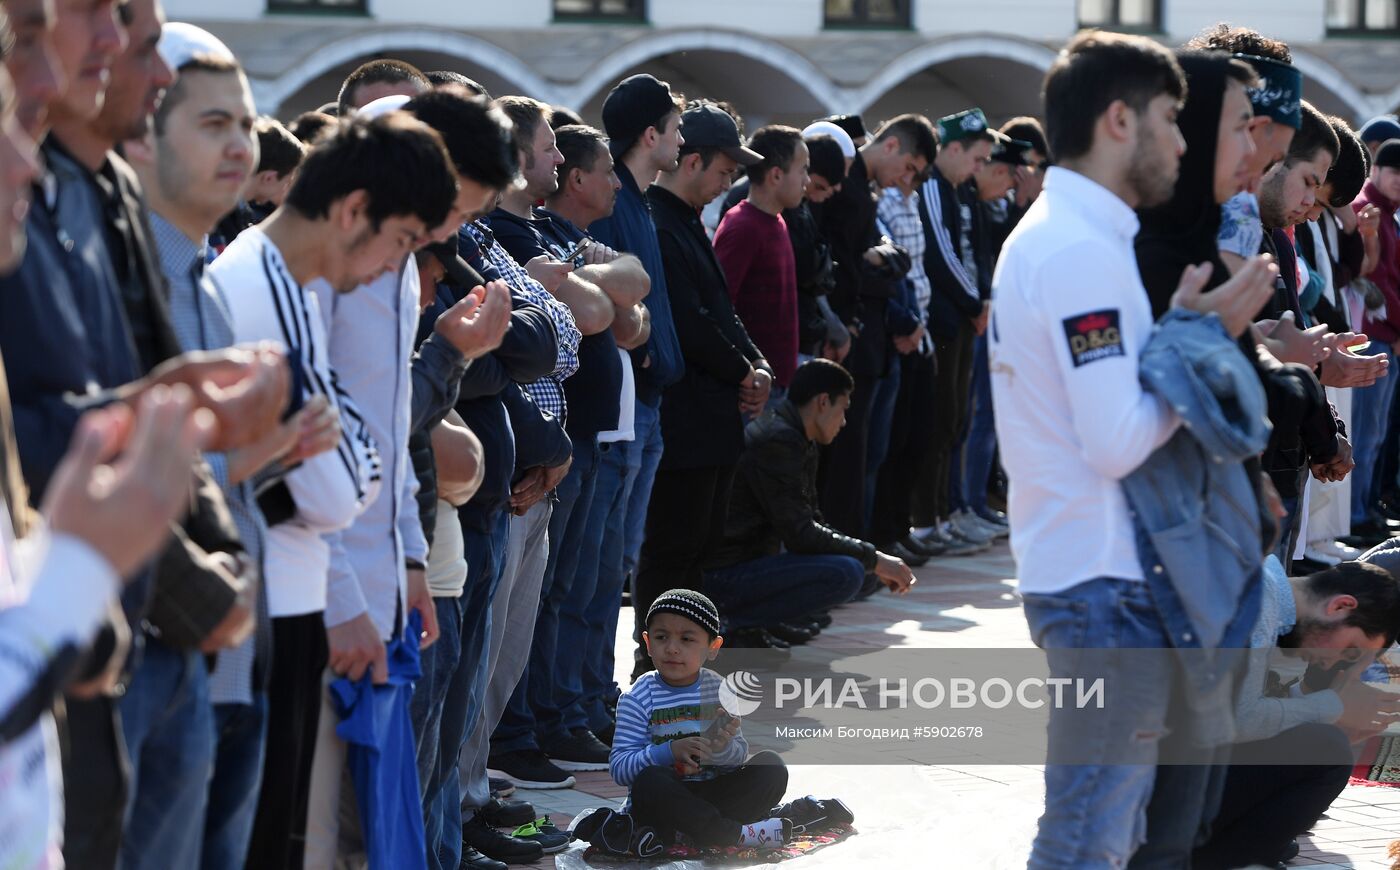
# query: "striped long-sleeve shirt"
548,392
328,490
653,713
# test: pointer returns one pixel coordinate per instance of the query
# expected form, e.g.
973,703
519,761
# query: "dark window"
629,10
1363,16
354,6
867,13
1139,15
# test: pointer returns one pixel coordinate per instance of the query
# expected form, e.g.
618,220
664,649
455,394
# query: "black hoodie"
1184,231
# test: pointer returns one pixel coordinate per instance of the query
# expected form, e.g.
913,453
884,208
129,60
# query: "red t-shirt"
754,249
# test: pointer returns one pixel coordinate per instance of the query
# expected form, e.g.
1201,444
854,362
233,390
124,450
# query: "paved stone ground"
976,816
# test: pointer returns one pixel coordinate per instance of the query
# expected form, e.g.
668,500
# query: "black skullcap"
692,605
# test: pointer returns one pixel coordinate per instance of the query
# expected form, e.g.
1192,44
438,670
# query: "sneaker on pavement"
605,735
963,524
502,788
994,517
474,860
579,751
996,530
810,815
476,834
946,544
544,832
528,768
981,545
502,813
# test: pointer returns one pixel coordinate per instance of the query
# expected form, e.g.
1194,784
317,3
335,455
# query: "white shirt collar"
1098,204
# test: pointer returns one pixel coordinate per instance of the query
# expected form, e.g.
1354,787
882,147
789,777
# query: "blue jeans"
645,457
233,792
782,588
588,618
979,448
877,445
168,724
1370,417
442,822
1287,540
439,663
1096,813
533,712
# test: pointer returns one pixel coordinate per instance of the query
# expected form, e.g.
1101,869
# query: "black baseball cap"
1013,151
1389,155
854,125
709,126
637,103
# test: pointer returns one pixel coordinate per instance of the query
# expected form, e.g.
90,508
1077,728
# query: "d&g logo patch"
1093,336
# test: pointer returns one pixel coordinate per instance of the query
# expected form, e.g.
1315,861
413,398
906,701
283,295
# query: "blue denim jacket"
1194,507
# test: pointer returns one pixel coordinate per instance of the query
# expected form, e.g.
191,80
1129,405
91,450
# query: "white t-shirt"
1069,319
627,406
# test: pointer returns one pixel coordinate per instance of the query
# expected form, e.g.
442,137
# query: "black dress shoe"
812,627
1377,531
744,638
927,546
909,557
476,834
502,813
793,634
823,619
772,641
474,860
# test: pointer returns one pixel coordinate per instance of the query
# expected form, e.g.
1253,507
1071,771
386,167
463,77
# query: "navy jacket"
527,353
630,229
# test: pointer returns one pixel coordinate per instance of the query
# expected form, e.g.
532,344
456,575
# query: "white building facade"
776,60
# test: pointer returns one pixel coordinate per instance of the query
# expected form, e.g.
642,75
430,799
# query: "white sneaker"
996,530
965,524
1314,553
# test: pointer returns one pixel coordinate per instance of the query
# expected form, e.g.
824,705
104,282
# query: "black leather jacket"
774,501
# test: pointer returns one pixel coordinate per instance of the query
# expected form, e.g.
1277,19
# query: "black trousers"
842,480
1266,805
709,813
685,523
952,385
914,414
300,656
96,774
